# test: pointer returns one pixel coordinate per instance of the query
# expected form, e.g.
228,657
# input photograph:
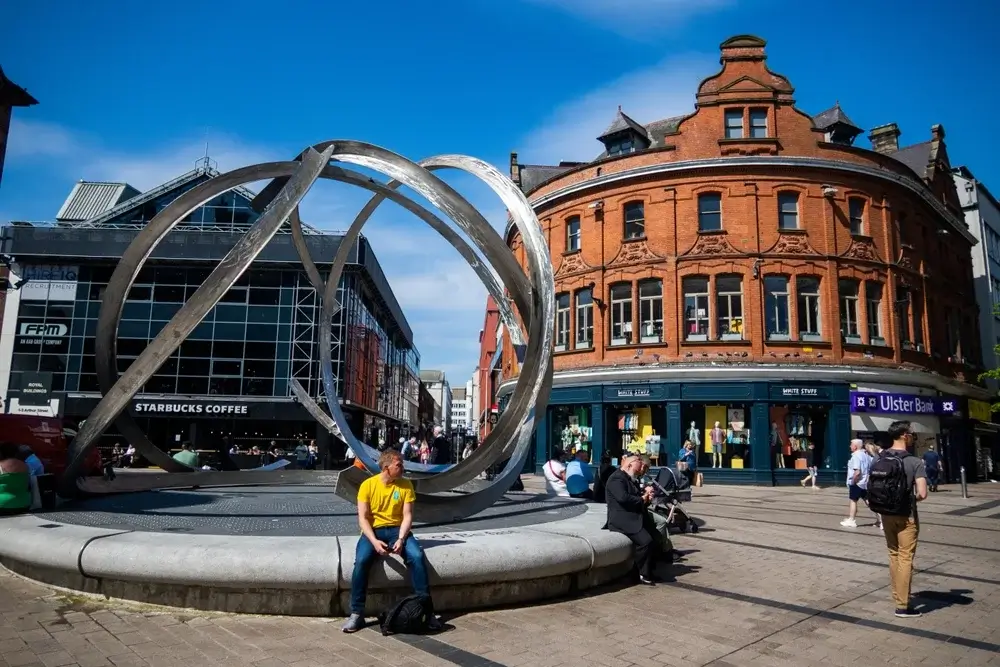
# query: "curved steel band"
532,294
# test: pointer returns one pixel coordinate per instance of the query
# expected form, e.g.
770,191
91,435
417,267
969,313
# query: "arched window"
562,321
856,212
807,293
729,306
696,308
848,290
584,319
635,220
788,210
572,233
651,311
621,314
776,311
709,212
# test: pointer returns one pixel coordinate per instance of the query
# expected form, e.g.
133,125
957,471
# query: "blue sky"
132,91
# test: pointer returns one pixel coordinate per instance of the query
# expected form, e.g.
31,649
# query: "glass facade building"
263,333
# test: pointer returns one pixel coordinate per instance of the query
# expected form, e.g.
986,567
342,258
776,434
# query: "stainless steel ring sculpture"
533,295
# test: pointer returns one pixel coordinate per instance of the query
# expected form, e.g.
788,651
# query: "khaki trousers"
901,538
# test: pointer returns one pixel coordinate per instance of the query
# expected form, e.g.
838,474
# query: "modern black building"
230,380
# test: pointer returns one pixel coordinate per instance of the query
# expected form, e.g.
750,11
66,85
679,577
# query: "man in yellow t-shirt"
385,514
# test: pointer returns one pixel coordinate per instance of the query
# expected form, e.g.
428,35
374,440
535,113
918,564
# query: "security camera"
597,204
829,191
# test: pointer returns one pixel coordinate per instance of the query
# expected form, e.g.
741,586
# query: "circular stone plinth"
299,511
159,548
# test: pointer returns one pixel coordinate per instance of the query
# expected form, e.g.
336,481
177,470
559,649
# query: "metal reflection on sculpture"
533,295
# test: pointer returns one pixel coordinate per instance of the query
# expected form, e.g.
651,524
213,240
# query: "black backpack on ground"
408,617
889,491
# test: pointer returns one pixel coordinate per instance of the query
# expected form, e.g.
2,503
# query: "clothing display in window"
718,439
694,435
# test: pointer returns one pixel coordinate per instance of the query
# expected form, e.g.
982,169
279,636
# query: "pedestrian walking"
897,482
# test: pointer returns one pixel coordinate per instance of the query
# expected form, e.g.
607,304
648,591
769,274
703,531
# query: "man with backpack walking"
897,481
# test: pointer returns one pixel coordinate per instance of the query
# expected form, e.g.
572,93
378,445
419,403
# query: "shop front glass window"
776,307
651,311
571,428
621,314
729,306
584,319
796,438
562,321
720,434
808,308
696,315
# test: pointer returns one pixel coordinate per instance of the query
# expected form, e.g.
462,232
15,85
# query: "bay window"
729,307
696,313
562,322
621,314
776,307
650,311
807,288
584,319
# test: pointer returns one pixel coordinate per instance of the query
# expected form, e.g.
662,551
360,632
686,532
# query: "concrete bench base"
311,576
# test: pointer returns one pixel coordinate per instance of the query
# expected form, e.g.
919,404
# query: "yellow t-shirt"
386,501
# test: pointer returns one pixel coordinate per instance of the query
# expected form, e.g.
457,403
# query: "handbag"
699,480
682,466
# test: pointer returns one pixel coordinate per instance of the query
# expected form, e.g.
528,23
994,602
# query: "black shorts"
855,492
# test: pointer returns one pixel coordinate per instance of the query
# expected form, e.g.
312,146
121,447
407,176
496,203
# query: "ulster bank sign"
903,404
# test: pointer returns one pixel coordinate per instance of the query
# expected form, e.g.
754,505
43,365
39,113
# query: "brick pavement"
772,579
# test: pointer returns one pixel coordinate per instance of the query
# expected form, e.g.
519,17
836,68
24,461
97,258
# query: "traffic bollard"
965,487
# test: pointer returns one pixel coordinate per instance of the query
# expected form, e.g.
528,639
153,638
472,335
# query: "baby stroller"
671,489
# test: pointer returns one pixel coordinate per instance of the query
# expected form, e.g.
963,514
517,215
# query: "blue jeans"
365,555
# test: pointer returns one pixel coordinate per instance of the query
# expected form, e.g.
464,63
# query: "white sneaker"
849,523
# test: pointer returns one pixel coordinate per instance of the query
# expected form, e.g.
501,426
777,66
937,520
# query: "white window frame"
901,309
784,198
705,212
873,309
849,311
773,298
562,322
755,114
698,321
857,217
621,314
584,319
638,224
729,297
807,302
651,311
572,233
732,130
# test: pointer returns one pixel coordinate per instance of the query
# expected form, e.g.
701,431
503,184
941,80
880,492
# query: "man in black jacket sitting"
627,514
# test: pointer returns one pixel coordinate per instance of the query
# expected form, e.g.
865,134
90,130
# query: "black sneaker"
909,612
646,582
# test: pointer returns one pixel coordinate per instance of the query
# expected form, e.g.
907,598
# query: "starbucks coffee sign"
191,408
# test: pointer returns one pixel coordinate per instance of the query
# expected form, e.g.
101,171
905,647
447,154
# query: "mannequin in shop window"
694,435
718,440
775,441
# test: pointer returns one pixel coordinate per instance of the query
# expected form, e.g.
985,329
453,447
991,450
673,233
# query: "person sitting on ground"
604,471
385,514
579,476
555,474
187,456
627,515
15,481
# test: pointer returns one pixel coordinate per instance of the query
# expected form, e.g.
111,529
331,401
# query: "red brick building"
746,264
488,368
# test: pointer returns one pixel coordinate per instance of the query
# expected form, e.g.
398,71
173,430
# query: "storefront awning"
881,422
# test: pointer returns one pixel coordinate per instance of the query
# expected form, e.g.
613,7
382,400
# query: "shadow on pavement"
928,601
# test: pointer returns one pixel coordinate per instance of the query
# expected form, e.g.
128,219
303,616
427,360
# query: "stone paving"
771,579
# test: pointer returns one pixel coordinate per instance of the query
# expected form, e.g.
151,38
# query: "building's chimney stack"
885,138
937,132
515,170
